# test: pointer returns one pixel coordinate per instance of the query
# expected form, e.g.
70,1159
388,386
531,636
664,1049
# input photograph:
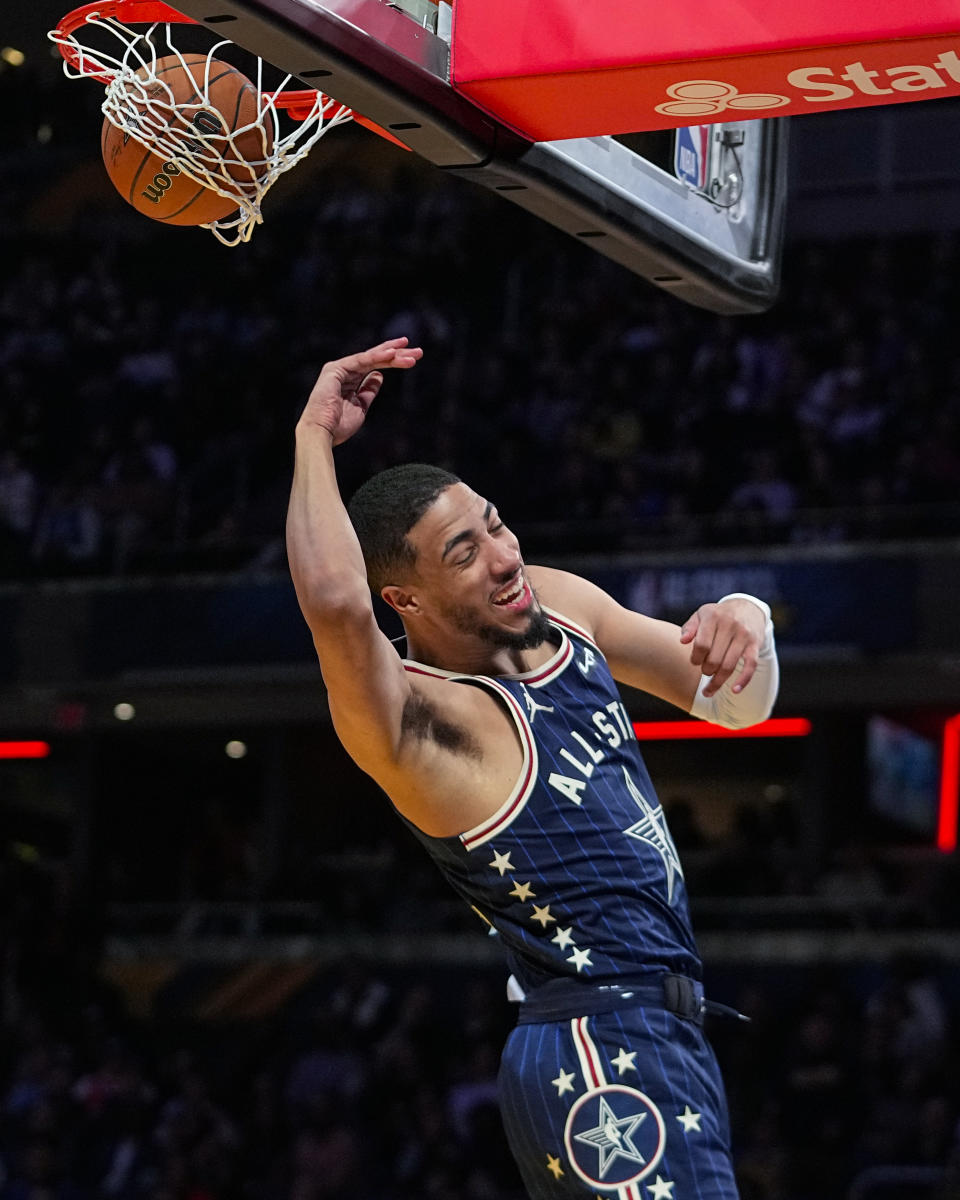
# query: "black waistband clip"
681,997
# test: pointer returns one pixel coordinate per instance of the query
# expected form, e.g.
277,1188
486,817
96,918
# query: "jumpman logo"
533,707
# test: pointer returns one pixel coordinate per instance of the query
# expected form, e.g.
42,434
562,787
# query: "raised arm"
366,684
721,665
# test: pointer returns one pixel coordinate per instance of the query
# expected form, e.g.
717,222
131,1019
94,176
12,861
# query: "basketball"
157,185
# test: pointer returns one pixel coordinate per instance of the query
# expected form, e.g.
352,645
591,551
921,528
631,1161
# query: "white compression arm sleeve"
739,710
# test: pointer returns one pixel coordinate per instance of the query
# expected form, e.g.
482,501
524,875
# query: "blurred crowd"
383,1086
383,1091
152,377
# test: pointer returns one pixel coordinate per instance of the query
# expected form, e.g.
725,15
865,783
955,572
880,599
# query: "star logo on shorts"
615,1136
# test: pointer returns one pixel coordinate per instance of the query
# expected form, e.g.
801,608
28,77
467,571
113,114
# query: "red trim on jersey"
588,1053
554,667
572,626
426,671
502,818
557,662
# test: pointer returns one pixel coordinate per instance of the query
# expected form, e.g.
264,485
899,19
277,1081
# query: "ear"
401,600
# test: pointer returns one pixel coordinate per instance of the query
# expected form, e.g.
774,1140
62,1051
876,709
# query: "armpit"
422,722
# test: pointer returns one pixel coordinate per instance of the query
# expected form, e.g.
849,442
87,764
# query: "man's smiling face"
469,572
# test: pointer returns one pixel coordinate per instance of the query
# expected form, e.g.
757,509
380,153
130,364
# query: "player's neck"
475,656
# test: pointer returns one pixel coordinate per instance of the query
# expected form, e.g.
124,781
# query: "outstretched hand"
348,386
721,635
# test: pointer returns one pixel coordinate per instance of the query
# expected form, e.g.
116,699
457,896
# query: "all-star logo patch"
614,1136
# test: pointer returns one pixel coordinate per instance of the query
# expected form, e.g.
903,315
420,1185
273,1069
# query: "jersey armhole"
526,779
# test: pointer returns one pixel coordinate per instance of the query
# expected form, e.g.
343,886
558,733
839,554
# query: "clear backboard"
697,211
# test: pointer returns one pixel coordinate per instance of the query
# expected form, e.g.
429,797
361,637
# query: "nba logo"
690,156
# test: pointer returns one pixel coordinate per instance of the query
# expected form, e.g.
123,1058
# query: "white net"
194,139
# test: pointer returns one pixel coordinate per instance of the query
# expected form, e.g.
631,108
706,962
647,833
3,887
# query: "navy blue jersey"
576,870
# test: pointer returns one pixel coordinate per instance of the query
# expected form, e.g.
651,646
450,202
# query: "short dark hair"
384,510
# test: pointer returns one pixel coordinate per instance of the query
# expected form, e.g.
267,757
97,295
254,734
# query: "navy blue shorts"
625,1104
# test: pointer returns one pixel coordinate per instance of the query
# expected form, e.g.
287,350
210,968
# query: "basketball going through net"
187,138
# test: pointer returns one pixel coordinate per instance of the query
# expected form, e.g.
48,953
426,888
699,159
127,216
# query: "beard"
536,633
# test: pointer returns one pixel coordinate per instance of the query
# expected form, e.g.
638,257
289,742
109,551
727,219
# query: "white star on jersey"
661,1189
581,959
652,829
563,938
563,1082
689,1120
501,863
522,891
624,1061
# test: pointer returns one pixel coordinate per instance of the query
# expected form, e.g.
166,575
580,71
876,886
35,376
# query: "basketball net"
142,106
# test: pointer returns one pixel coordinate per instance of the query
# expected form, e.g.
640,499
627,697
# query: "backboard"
696,211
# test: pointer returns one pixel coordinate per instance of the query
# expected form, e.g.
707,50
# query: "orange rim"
297,104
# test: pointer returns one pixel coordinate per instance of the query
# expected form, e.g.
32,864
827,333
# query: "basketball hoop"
142,106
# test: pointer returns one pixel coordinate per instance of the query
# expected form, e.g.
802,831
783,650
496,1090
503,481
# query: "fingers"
703,625
392,353
351,375
728,664
716,654
689,630
720,646
368,389
749,666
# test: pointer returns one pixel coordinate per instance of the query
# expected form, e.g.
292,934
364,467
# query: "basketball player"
503,743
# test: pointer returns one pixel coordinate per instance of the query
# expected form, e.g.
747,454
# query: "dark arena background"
227,972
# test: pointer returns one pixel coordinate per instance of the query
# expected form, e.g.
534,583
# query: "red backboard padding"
564,68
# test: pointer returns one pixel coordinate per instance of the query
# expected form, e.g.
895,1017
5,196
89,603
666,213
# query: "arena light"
666,731
949,786
24,749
